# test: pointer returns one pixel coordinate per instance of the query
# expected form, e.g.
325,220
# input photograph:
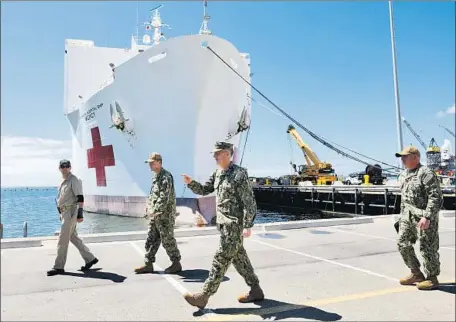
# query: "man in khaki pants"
68,199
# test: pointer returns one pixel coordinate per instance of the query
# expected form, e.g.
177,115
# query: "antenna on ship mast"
204,30
157,24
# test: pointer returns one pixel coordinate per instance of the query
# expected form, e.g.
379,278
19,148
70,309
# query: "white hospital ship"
173,96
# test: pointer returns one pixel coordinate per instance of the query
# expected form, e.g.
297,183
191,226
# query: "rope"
245,144
294,120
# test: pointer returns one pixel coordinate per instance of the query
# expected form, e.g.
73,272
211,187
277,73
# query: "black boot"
55,271
87,266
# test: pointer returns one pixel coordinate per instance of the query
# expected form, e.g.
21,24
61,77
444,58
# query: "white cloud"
32,162
450,110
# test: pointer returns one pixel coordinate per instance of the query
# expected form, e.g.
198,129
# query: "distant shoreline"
31,187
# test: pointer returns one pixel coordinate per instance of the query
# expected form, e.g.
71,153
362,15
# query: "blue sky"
326,63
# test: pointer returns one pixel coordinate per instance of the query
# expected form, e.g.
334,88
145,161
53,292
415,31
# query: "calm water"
37,207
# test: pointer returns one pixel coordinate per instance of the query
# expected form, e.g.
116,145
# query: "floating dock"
343,199
345,272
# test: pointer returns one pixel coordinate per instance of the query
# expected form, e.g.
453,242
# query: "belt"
66,207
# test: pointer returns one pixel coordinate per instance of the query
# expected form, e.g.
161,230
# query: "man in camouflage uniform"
161,209
421,199
236,210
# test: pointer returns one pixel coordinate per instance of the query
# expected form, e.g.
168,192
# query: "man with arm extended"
161,209
70,196
236,210
421,200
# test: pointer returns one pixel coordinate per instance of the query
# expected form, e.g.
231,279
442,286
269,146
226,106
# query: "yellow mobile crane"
316,171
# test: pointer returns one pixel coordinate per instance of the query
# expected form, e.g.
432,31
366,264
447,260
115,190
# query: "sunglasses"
65,166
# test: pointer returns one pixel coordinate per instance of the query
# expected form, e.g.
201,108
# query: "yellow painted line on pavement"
290,307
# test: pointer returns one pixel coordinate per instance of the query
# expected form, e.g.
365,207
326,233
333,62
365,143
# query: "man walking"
421,200
161,209
69,197
236,211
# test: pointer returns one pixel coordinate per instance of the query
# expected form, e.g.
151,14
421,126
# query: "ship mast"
157,25
204,30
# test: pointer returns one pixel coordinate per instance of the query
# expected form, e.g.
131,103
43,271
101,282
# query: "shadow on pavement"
196,275
95,273
270,235
448,288
279,311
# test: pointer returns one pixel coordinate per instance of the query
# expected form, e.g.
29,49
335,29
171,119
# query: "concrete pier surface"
343,272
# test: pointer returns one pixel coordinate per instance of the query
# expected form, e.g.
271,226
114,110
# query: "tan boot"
175,267
415,277
255,294
431,283
148,268
198,299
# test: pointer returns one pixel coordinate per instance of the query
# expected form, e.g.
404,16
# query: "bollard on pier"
25,229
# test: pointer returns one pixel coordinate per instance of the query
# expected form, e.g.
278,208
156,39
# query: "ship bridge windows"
156,58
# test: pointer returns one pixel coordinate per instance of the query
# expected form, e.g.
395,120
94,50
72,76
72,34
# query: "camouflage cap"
220,146
154,156
407,151
64,163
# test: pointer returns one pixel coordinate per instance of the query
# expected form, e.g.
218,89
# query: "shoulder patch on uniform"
241,175
428,176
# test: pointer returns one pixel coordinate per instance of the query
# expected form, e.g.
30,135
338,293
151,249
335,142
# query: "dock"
341,199
328,270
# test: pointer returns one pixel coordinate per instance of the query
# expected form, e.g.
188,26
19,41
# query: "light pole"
396,86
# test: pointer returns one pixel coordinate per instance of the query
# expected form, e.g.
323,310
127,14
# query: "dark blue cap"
65,163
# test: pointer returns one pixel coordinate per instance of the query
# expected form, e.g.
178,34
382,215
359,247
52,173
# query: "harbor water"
37,207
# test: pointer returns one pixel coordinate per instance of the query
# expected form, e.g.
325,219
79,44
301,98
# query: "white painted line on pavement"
373,236
328,261
178,286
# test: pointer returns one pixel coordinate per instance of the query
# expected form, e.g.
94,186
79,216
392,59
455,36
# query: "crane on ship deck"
316,171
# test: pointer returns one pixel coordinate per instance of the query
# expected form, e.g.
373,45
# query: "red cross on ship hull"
100,157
